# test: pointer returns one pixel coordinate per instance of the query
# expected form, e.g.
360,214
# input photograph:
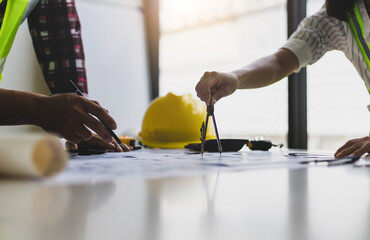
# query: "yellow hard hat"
174,121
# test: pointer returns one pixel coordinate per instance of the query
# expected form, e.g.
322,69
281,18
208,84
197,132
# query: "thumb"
71,146
217,96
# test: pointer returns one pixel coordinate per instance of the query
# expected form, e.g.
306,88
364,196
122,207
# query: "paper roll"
31,155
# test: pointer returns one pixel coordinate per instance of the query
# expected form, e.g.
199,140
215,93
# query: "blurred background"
197,36
222,35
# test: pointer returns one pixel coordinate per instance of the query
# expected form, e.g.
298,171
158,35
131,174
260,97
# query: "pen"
340,161
108,129
86,152
331,161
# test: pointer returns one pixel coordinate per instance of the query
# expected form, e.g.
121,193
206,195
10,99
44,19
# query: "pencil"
106,127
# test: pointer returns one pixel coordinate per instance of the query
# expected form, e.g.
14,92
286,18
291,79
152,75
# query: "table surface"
310,203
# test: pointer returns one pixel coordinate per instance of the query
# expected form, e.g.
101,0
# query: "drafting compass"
203,129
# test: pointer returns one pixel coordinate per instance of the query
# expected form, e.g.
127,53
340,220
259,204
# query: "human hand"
217,85
97,142
70,116
355,147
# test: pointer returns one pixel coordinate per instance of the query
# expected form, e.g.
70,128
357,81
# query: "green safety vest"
357,27
16,11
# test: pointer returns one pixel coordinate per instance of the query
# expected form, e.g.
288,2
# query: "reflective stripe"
30,7
357,28
363,45
2,63
14,13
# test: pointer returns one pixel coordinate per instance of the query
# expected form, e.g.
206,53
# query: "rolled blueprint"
31,155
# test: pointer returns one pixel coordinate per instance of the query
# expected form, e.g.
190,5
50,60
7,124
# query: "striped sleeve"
56,34
315,36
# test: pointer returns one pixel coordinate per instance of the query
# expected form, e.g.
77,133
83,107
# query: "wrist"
237,78
38,109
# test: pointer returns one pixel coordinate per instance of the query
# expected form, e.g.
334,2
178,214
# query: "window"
222,35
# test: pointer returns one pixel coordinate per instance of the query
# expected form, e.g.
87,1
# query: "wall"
116,61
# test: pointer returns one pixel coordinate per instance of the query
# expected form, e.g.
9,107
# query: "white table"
311,203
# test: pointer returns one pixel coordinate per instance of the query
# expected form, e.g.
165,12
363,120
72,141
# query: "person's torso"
12,14
353,51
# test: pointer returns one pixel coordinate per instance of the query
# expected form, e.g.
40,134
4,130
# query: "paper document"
155,163
364,162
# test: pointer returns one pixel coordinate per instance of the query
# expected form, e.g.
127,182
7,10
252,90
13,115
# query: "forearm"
267,70
66,115
17,108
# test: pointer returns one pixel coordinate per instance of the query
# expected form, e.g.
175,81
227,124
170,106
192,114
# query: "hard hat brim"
168,145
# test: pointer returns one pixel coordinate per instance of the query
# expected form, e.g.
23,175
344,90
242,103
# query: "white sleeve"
315,36
301,49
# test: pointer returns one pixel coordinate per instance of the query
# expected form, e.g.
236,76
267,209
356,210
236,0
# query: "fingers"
203,92
216,85
341,152
93,108
217,96
355,147
83,132
96,142
71,146
361,151
100,113
97,103
207,86
117,147
125,148
70,116
349,150
347,145
98,127
73,138
365,147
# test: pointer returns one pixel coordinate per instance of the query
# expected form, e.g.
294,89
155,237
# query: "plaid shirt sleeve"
56,36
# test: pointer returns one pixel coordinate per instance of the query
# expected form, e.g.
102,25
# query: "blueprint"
159,163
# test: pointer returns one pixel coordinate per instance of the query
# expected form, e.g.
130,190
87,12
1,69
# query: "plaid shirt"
56,35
